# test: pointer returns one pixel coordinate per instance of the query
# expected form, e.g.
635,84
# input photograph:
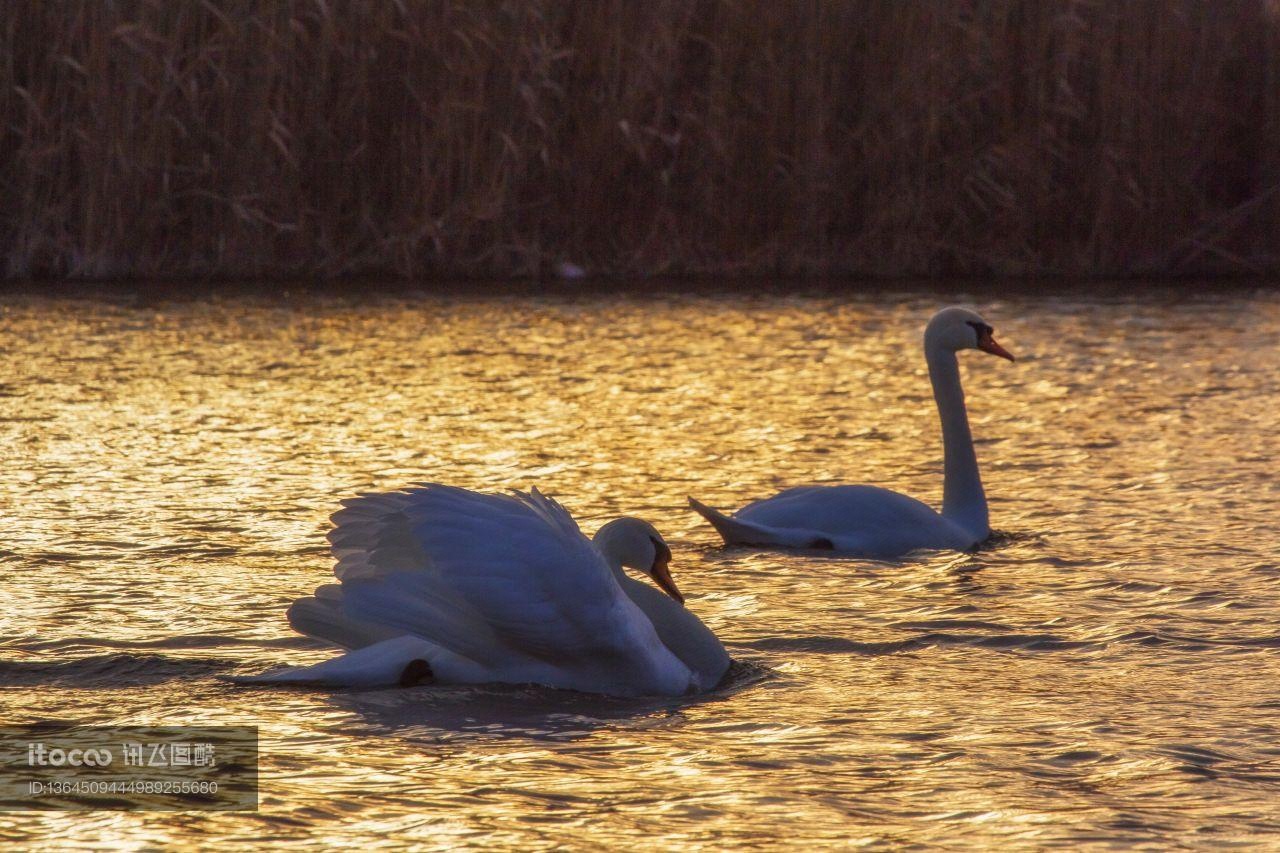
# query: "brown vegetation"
867,137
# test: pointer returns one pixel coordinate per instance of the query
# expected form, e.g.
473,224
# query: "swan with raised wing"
874,522
441,584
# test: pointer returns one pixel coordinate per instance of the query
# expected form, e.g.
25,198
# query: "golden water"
1107,670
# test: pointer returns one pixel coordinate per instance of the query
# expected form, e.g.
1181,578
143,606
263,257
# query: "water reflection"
439,713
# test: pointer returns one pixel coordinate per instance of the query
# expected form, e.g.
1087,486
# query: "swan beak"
988,344
662,576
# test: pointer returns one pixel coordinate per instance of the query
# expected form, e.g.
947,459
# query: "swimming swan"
443,584
873,522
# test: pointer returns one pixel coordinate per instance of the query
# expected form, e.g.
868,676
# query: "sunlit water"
1106,670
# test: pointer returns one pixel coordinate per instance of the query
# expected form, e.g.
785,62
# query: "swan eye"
661,553
984,331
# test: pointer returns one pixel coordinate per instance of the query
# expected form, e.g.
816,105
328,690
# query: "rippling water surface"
1106,670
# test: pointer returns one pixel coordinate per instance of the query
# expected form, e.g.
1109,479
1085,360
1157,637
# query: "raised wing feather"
501,579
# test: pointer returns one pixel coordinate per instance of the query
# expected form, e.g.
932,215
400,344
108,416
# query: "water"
1105,672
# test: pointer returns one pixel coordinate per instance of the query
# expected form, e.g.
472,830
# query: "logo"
38,755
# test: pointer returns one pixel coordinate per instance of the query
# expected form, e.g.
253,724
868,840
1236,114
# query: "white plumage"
499,588
873,522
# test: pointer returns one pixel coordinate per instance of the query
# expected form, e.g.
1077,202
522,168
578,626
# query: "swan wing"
864,520
508,582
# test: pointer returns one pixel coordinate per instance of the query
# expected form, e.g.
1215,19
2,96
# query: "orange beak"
662,576
988,344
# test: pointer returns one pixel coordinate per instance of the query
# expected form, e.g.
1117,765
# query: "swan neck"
607,546
963,500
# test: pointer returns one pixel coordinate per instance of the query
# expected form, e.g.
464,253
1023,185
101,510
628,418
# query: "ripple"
1100,673
191,641
116,671
833,645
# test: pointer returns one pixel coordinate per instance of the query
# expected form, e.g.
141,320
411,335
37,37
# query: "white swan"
873,522
453,586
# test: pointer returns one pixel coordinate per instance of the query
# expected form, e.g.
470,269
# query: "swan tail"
403,661
323,619
734,531
731,530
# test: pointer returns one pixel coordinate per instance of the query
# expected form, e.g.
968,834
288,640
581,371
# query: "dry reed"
242,138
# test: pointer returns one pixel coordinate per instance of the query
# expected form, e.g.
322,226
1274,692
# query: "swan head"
637,544
957,328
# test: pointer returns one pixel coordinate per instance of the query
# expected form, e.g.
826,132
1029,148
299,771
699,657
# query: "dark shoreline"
601,287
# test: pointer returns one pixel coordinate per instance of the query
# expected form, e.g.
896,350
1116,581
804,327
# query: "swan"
872,522
443,584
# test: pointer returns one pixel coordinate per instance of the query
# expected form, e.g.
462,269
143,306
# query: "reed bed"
244,138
